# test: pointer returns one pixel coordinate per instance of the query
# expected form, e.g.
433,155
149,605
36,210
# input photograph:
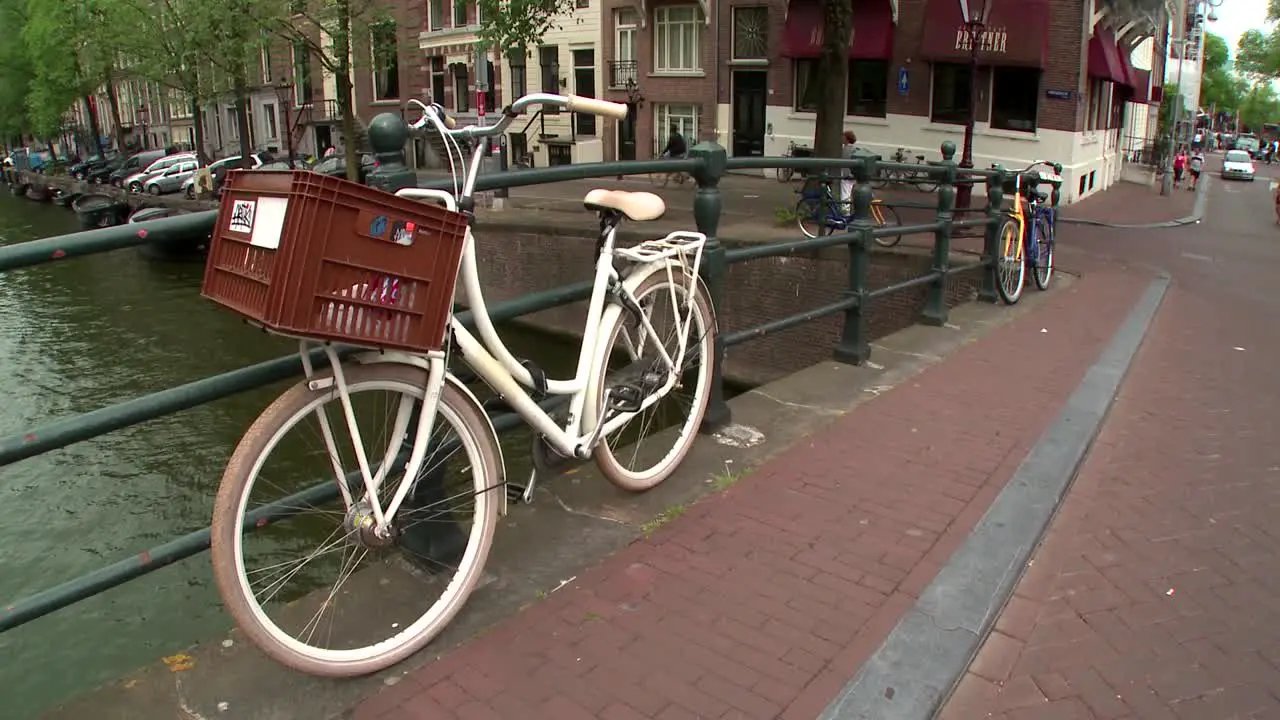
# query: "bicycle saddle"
637,206
1041,196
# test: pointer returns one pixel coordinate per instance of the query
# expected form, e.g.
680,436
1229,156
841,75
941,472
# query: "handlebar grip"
595,106
448,121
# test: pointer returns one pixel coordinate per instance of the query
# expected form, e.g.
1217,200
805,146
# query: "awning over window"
1142,89
1014,32
871,39
1104,58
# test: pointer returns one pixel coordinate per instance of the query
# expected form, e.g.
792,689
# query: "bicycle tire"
1008,232
808,209
704,319
925,182
887,212
785,174
882,179
294,405
1042,272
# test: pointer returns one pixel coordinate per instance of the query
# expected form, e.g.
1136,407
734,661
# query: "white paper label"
269,222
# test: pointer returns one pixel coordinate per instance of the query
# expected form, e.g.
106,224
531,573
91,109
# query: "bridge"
851,514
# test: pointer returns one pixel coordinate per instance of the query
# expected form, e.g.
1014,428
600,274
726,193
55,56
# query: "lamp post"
284,93
974,26
142,118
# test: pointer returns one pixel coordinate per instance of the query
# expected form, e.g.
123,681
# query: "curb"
1197,214
913,673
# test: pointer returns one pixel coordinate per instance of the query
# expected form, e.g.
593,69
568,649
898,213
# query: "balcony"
623,73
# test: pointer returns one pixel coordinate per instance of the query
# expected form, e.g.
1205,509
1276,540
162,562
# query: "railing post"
991,244
854,347
935,307
707,204
388,135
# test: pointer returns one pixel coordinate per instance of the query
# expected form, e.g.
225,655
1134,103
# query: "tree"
15,72
517,25
332,32
1218,86
1259,106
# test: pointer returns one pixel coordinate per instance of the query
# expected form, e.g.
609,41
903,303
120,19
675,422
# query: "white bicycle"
426,481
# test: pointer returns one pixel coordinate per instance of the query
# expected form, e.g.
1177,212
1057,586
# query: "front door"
750,95
324,140
627,134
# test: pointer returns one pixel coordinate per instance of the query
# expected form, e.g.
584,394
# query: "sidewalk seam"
1197,214
914,670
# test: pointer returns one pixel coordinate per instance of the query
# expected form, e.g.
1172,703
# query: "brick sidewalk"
1133,204
764,600
1154,595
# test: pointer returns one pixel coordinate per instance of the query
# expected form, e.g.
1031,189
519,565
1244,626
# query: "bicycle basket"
319,257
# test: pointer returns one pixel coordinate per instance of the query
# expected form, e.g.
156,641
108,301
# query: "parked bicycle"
921,179
820,212
793,150
1026,235
664,179
631,364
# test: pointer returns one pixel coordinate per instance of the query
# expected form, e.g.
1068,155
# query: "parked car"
101,174
1249,144
1238,165
256,160
171,179
134,164
138,181
337,166
80,170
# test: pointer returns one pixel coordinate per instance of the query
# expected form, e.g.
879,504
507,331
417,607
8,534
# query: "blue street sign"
903,83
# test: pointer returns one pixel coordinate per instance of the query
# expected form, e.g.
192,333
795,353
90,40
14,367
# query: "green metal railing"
708,163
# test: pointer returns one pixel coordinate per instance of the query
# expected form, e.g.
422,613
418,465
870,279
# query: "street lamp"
1193,19
142,117
974,26
284,92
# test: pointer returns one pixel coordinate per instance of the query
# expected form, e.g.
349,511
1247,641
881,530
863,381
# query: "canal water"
82,334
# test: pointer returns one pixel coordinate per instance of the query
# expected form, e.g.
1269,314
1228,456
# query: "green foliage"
1260,105
1218,86
15,71
515,25
1258,53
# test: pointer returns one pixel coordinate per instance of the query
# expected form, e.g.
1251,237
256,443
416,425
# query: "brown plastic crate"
319,257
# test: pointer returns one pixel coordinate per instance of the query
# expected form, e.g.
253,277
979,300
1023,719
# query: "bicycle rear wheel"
924,181
889,218
785,174
1011,265
429,529
1043,266
812,215
640,455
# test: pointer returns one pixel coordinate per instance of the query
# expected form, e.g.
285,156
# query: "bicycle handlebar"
572,103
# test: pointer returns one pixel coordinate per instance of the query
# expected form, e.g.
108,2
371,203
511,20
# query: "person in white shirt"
1195,165
846,174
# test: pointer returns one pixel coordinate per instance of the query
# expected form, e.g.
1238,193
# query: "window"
582,4
490,92
683,117
868,94
386,61
459,13
266,64
1015,97
751,33
233,126
806,85
952,85
676,32
461,92
437,79
519,76
625,24
584,85
1098,103
435,14
301,73
549,61
269,120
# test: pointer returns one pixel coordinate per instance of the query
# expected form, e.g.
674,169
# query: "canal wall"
526,248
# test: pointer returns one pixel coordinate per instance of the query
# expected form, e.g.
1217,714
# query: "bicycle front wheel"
1043,265
785,174
1011,265
299,587
812,216
640,455
924,182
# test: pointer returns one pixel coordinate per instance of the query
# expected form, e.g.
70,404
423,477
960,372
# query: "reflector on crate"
318,257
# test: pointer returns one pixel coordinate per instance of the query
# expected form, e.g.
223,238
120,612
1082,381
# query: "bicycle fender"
468,396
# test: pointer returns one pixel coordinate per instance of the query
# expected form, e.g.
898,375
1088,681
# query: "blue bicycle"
1026,236
820,213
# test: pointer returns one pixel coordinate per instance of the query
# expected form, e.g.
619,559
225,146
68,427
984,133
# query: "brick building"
1052,82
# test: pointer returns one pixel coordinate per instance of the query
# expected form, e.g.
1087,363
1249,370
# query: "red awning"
1142,90
1014,32
1104,58
871,39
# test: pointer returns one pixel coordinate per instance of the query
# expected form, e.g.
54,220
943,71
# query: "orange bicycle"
819,213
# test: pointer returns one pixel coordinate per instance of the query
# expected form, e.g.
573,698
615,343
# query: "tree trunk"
833,69
114,102
342,53
197,120
91,111
242,119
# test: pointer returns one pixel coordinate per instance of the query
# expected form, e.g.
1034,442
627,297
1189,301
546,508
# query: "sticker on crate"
242,216
402,232
268,223
378,227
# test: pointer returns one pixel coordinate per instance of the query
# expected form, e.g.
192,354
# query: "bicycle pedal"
626,399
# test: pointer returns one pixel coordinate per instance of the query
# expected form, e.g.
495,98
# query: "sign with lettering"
1058,94
994,40
904,81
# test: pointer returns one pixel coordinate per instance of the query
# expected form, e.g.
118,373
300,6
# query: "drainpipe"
715,71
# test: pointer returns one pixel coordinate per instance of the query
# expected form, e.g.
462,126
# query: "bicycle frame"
836,217
1019,216
489,356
